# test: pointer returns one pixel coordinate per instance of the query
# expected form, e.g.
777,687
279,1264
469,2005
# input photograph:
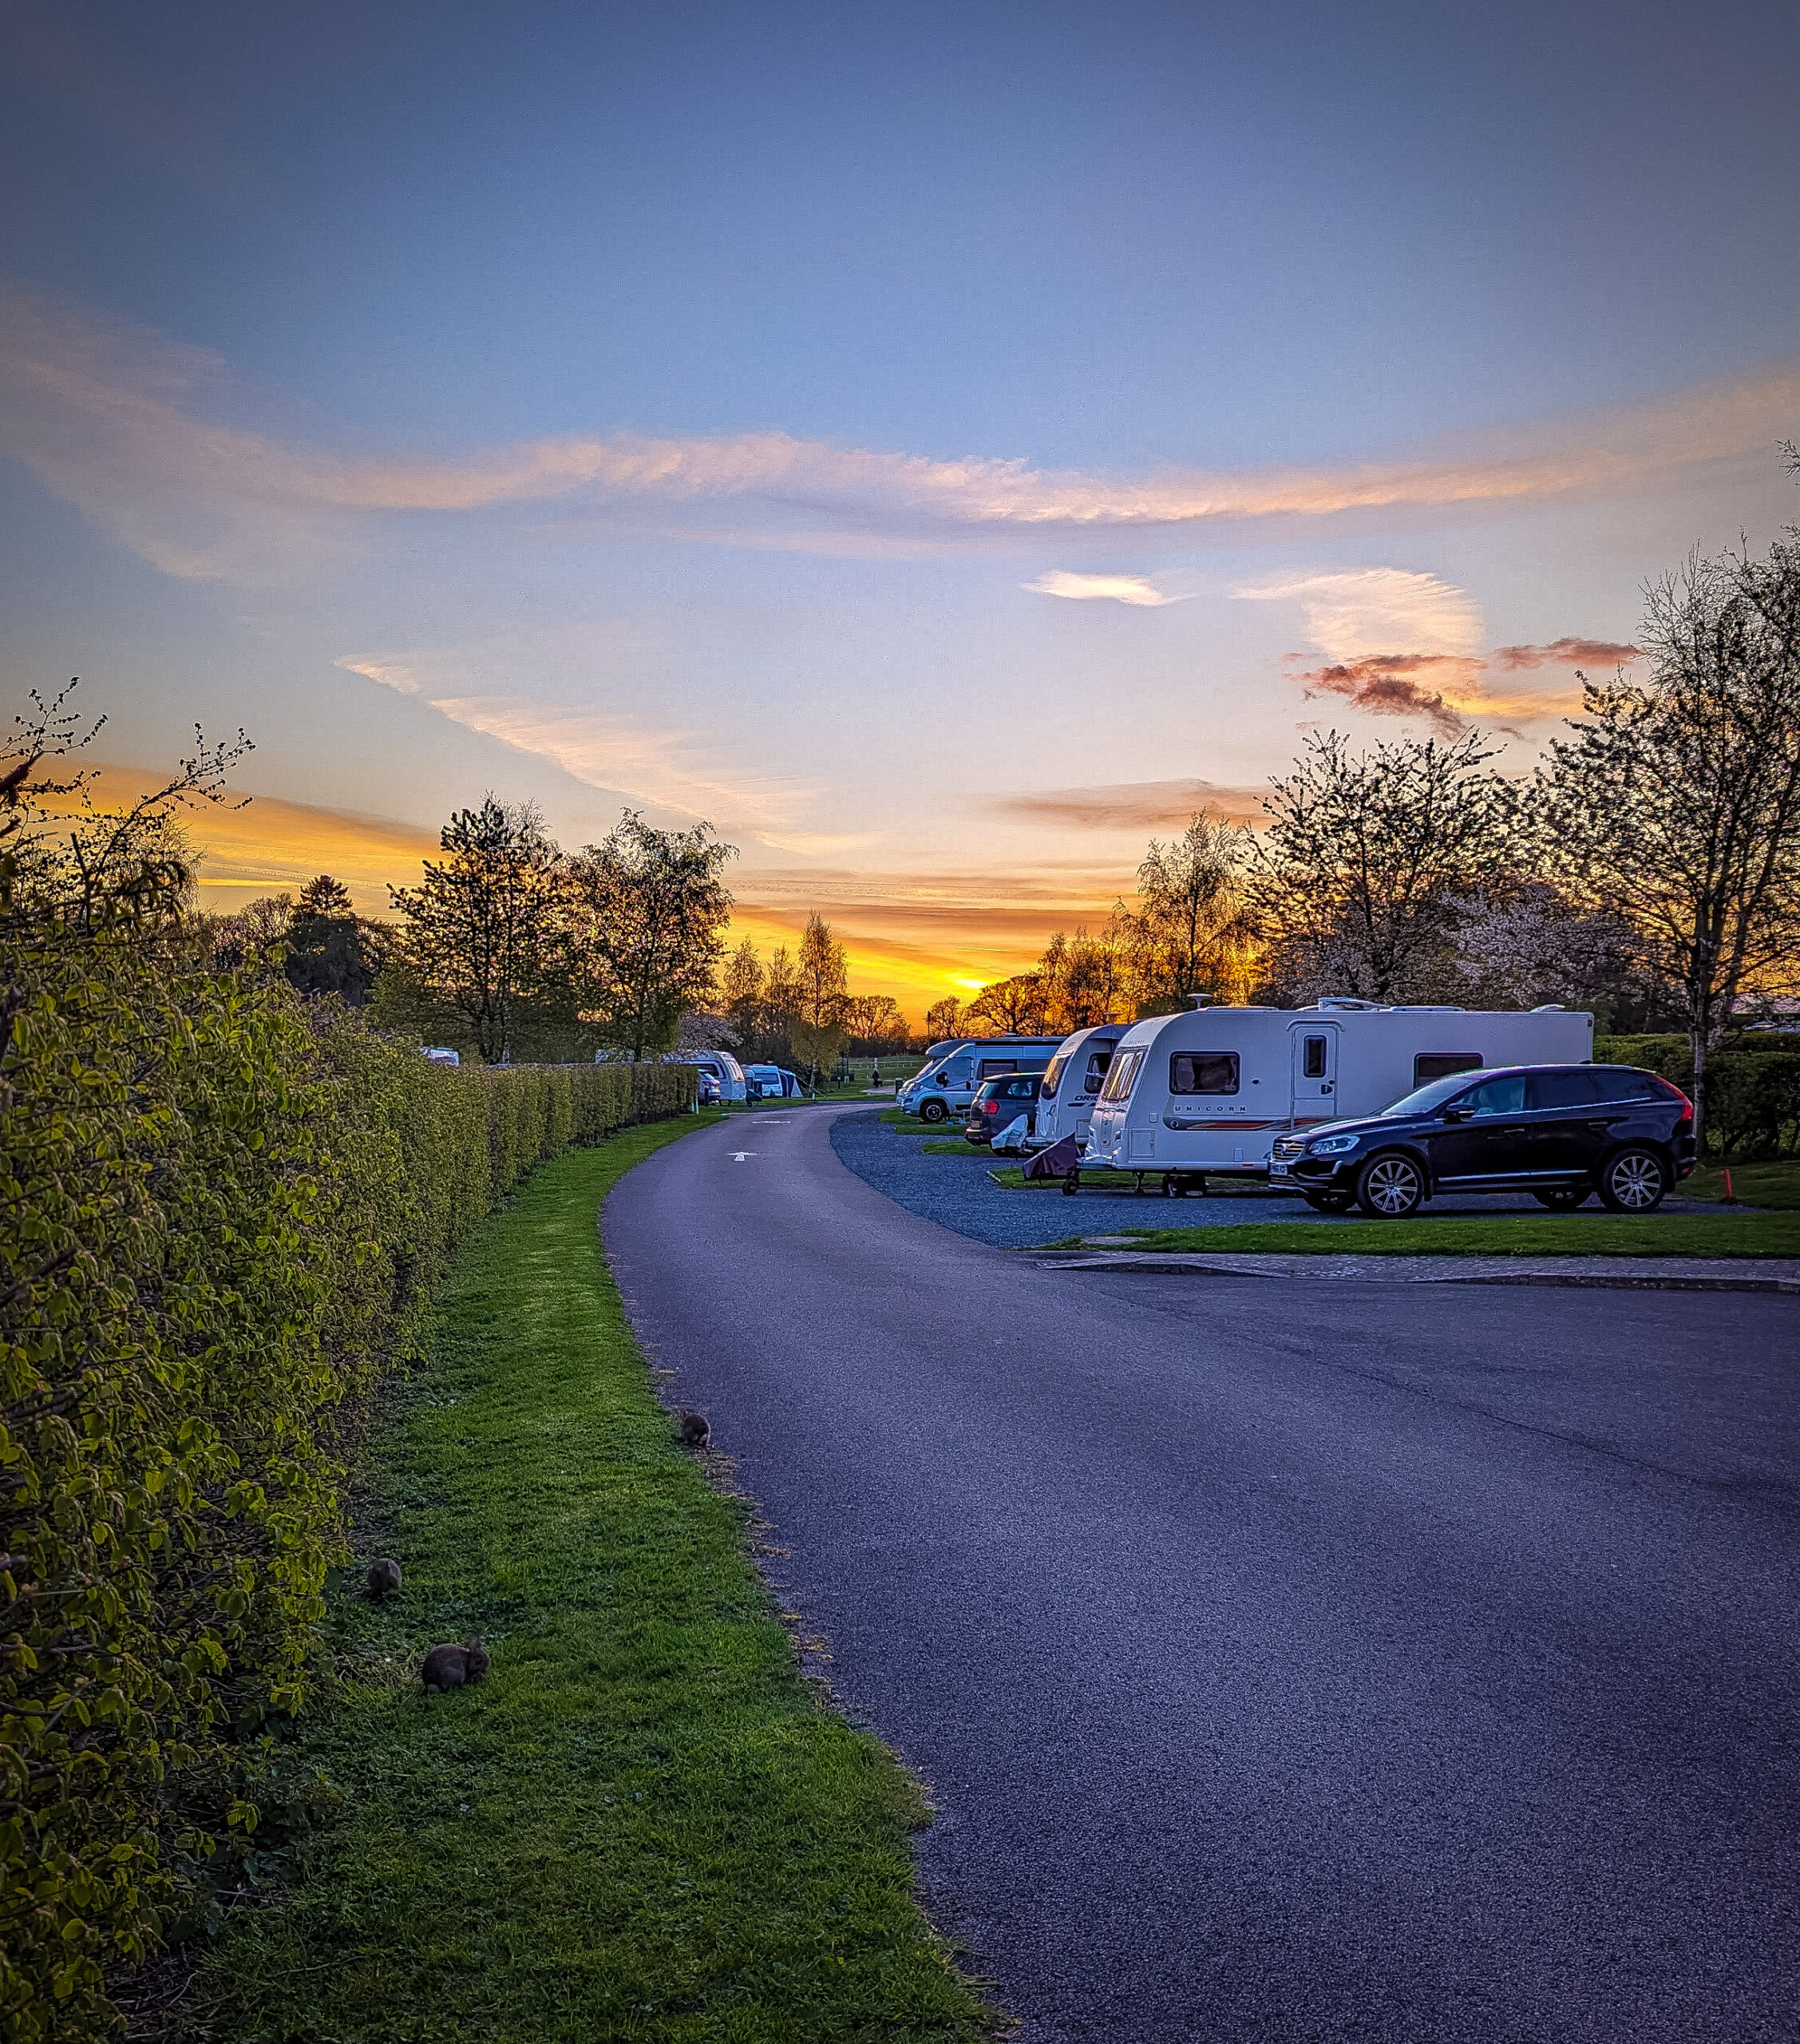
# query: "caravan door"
1315,1073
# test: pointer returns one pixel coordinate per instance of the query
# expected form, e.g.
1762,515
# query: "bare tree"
74,856
481,932
1360,881
1675,803
1013,1006
647,931
942,1018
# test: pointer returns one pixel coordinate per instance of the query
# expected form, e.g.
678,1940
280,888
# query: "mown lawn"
1501,1234
1773,1186
641,1824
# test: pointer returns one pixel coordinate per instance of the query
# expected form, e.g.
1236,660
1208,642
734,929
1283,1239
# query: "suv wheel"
1564,1198
934,1112
1634,1181
1390,1187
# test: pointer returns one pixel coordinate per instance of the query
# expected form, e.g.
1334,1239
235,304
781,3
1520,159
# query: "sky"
941,447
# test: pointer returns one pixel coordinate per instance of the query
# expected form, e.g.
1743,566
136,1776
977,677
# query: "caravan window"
1096,1065
997,1068
1120,1078
1053,1078
1312,1058
1203,1071
1440,1065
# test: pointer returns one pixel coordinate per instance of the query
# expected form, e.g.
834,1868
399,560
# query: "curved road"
1288,1661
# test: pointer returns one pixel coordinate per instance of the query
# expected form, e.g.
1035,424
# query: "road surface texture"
1287,1663
957,1192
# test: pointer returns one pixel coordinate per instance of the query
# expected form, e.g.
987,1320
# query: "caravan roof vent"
1341,1001
1200,1000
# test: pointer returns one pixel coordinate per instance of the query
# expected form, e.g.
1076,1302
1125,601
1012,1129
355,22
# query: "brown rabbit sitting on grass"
384,1578
449,1667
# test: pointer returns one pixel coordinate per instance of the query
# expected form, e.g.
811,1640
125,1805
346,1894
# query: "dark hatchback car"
999,1103
1561,1132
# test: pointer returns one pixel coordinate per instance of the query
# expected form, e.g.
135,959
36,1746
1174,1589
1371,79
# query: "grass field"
642,1823
1500,1234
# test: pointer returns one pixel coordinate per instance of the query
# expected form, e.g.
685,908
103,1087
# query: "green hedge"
1752,1088
220,1219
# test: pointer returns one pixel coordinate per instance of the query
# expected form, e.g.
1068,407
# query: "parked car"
440,1055
708,1094
998,1102
1561,1132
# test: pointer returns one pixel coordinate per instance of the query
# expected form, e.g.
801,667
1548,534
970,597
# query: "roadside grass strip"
640,1823
1773,1186
1500,1234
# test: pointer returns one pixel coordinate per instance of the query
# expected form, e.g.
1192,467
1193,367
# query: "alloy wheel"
1391,1187
1635,1181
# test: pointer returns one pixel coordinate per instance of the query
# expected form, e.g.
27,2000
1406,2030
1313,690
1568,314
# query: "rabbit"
692,1429
449,1667
384,1577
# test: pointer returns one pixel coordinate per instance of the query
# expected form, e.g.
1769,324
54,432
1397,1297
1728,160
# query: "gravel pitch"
957,1193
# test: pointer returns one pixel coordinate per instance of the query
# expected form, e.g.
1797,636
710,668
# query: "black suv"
999,1103
1561,1132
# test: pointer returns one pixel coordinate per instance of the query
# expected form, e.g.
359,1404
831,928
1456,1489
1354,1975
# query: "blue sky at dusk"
941,446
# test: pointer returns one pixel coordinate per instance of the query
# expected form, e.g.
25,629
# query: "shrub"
219,1218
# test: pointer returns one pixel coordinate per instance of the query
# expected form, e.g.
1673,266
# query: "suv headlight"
1332,1146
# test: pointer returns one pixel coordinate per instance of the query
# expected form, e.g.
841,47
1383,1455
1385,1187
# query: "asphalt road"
1287,1662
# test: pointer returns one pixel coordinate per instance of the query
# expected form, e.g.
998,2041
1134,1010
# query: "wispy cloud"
1129,805
691,771
1563,653
137,430
1357,612
1086,588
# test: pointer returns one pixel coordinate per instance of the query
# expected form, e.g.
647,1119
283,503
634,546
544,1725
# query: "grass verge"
1501,1234
640,1824
1775,1187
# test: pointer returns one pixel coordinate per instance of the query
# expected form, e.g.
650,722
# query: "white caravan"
722,1065
1207,1091
1072,1084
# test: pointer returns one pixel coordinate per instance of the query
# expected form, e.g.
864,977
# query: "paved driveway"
1324,1662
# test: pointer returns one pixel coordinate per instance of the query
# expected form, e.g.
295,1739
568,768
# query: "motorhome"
1204,1093
946,1086
1072,1084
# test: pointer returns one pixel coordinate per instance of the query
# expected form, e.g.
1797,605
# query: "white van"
1206,1092
948,1087
1072,1084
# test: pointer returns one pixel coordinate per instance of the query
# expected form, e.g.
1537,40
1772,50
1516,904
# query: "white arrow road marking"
737,1156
